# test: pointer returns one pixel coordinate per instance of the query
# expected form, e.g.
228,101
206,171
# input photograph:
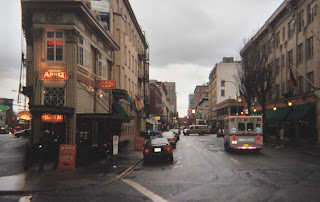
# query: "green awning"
117,110
299,112
277,115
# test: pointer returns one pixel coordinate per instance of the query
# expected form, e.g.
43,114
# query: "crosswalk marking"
144,191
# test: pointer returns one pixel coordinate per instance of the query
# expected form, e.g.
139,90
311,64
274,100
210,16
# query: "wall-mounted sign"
52,118
106,84
25,115
54,75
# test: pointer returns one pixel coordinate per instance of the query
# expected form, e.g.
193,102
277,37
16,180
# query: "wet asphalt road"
203,171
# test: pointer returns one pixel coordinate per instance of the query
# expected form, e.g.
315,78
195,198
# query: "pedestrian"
43,149
54,149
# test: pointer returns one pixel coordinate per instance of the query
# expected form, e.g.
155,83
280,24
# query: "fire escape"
143,78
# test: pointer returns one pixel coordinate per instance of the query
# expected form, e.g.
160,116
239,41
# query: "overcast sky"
186,38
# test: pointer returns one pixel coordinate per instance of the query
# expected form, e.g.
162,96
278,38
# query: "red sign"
25,115
138,143
106,84
67,156
52,118
54,75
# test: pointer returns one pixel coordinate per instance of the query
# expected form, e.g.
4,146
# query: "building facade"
292,39
222,87
172,94
73,82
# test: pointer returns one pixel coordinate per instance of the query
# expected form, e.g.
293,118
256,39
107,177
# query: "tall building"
293,52
172,94
82,65
190,100
200,92
223,88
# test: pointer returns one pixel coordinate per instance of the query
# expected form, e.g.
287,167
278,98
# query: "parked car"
3,131
157,148
170,136
25,133
176,131
199,129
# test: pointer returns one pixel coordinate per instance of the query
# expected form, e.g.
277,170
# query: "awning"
299,112
117,110
277,115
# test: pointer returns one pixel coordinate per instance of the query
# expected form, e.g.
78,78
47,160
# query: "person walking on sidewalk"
45,144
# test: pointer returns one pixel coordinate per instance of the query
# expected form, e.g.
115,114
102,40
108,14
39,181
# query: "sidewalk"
55,179
312,150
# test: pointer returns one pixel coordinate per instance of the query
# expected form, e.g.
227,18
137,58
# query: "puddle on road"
13,182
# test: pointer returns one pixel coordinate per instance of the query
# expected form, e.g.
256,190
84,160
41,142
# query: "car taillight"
233,138
171,139
146,150
168,149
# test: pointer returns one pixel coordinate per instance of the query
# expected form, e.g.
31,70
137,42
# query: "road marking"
25,198
144,191
234,160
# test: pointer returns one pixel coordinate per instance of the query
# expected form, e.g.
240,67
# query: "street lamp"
237,97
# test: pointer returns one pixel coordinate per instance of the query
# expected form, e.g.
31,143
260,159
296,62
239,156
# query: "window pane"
250,126
59,52
241,127
59,35
50,34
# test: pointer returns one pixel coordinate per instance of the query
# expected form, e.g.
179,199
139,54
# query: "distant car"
3,131
25,133
176,131
157,148
171,137
199,129
153,132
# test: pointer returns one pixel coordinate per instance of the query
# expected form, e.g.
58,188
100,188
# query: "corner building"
72,81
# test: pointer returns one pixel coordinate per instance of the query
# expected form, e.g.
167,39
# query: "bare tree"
256,75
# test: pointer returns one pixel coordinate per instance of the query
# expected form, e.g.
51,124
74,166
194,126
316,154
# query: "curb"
26,192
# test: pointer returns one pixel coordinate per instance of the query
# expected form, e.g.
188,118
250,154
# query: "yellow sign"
157,118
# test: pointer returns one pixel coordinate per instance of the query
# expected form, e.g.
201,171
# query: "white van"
243,132
199,129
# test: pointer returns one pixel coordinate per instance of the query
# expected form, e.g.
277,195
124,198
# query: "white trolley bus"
243,132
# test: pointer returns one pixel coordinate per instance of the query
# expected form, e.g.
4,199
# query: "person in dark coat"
44,149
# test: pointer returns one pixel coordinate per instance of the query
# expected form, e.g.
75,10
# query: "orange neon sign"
50,75
52,118
106,84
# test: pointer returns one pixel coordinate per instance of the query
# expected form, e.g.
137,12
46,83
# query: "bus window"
241,127
250,126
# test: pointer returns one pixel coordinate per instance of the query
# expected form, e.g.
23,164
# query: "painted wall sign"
25,115
54,75
52,118
106,84
67,156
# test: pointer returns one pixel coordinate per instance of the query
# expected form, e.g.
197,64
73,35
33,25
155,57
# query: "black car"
156,149
176,131
171,137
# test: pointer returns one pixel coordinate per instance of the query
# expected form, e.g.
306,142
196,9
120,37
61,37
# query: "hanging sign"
52,118
106,84
54,75
67,156
25,115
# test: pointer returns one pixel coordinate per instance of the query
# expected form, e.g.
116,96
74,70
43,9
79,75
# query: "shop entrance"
56,128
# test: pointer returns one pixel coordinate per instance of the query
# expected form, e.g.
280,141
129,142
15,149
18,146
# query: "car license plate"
246,145
157,149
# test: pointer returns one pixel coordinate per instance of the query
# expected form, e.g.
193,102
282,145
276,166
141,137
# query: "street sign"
3,107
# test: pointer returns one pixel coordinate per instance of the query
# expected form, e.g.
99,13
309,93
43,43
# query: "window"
311,11
300,53
290,58
277,63
277,91
223,83
54,46
54,96
291,29
277,40
102,66
283,33
250,126
300,21
241,127
300,85
309,86
222,93
84,53
309,48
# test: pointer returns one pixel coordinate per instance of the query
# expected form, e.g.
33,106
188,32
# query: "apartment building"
292,39
77,70
223,88
172,94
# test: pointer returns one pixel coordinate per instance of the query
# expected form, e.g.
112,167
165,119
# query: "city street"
203,171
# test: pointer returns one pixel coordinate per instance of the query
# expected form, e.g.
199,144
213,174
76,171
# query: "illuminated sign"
106,84
2,107
157,118
52,118
54,75
25,115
